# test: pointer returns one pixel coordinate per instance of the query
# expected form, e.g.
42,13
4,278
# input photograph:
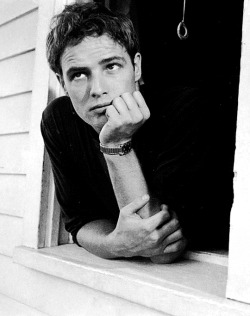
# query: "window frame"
238,285
42,220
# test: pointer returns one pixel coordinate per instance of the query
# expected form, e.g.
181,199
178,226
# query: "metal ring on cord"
181,26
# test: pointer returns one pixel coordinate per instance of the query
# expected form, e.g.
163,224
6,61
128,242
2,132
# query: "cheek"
78,97
125,84
78,100
131,81
77,91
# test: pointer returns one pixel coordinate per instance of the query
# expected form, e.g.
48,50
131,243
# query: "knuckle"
147,229
125,94
175,222
165,214
127,121
164,207
147,115
138,118
116,100
155,237
179,234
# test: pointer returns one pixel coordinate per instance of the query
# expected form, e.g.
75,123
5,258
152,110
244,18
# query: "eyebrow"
110,59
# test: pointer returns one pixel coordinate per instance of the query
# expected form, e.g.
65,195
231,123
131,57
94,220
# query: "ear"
60,79
137,65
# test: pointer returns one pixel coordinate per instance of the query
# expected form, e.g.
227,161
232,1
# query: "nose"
98,86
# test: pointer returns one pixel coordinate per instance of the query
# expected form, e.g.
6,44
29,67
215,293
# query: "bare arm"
126,115
129,183
130,236
143,229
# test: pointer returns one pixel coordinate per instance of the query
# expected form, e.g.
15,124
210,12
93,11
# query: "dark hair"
79,20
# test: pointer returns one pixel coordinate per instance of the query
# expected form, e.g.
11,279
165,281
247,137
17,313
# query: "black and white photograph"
124,158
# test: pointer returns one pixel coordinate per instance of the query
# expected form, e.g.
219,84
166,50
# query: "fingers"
172,238
122,109
159,218
176,247
127,113
131,107
166,257
136,205
168,236
142,104
169,228
112,114
157,235
169,231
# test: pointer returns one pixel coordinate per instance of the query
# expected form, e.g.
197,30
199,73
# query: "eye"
113,66
78,76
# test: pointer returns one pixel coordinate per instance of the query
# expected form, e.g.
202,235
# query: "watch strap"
121,149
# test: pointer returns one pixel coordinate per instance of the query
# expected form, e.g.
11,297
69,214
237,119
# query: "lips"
100,106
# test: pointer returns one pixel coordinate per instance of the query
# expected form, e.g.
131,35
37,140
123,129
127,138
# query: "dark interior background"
209,57
212,50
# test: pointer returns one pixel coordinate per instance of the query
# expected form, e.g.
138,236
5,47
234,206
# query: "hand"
134,236
176,244
126,114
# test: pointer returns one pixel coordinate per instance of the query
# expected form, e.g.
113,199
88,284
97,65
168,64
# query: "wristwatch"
121,150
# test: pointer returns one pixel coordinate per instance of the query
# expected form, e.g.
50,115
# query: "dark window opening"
209,60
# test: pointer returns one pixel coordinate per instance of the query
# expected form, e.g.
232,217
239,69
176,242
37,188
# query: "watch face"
126,148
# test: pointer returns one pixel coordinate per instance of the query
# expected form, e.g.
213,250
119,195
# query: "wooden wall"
18,24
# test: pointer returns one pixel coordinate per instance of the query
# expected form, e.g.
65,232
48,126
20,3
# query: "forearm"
95,237
129,182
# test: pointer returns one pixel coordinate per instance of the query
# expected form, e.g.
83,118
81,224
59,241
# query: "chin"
99,124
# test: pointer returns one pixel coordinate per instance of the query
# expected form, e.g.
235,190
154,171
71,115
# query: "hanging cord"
182,26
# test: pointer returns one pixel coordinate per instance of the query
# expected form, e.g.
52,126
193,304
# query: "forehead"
92,50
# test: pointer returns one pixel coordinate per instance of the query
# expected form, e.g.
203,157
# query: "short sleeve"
78,203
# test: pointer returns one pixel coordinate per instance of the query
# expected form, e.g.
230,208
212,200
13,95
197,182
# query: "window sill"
188,287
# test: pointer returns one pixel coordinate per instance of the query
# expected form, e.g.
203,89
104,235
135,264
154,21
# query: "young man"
119,179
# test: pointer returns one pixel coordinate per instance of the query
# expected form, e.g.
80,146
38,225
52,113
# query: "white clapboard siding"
16,74
15,113
11,229
11,9
12,307
13,153
13,195
20,35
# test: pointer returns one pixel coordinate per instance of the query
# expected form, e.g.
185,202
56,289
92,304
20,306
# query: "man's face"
95,72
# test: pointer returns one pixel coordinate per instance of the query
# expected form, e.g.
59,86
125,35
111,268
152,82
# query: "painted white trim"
36,145
216,257
184,288
239,252
51,233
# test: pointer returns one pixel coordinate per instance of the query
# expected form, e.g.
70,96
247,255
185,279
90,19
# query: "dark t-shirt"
177,149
